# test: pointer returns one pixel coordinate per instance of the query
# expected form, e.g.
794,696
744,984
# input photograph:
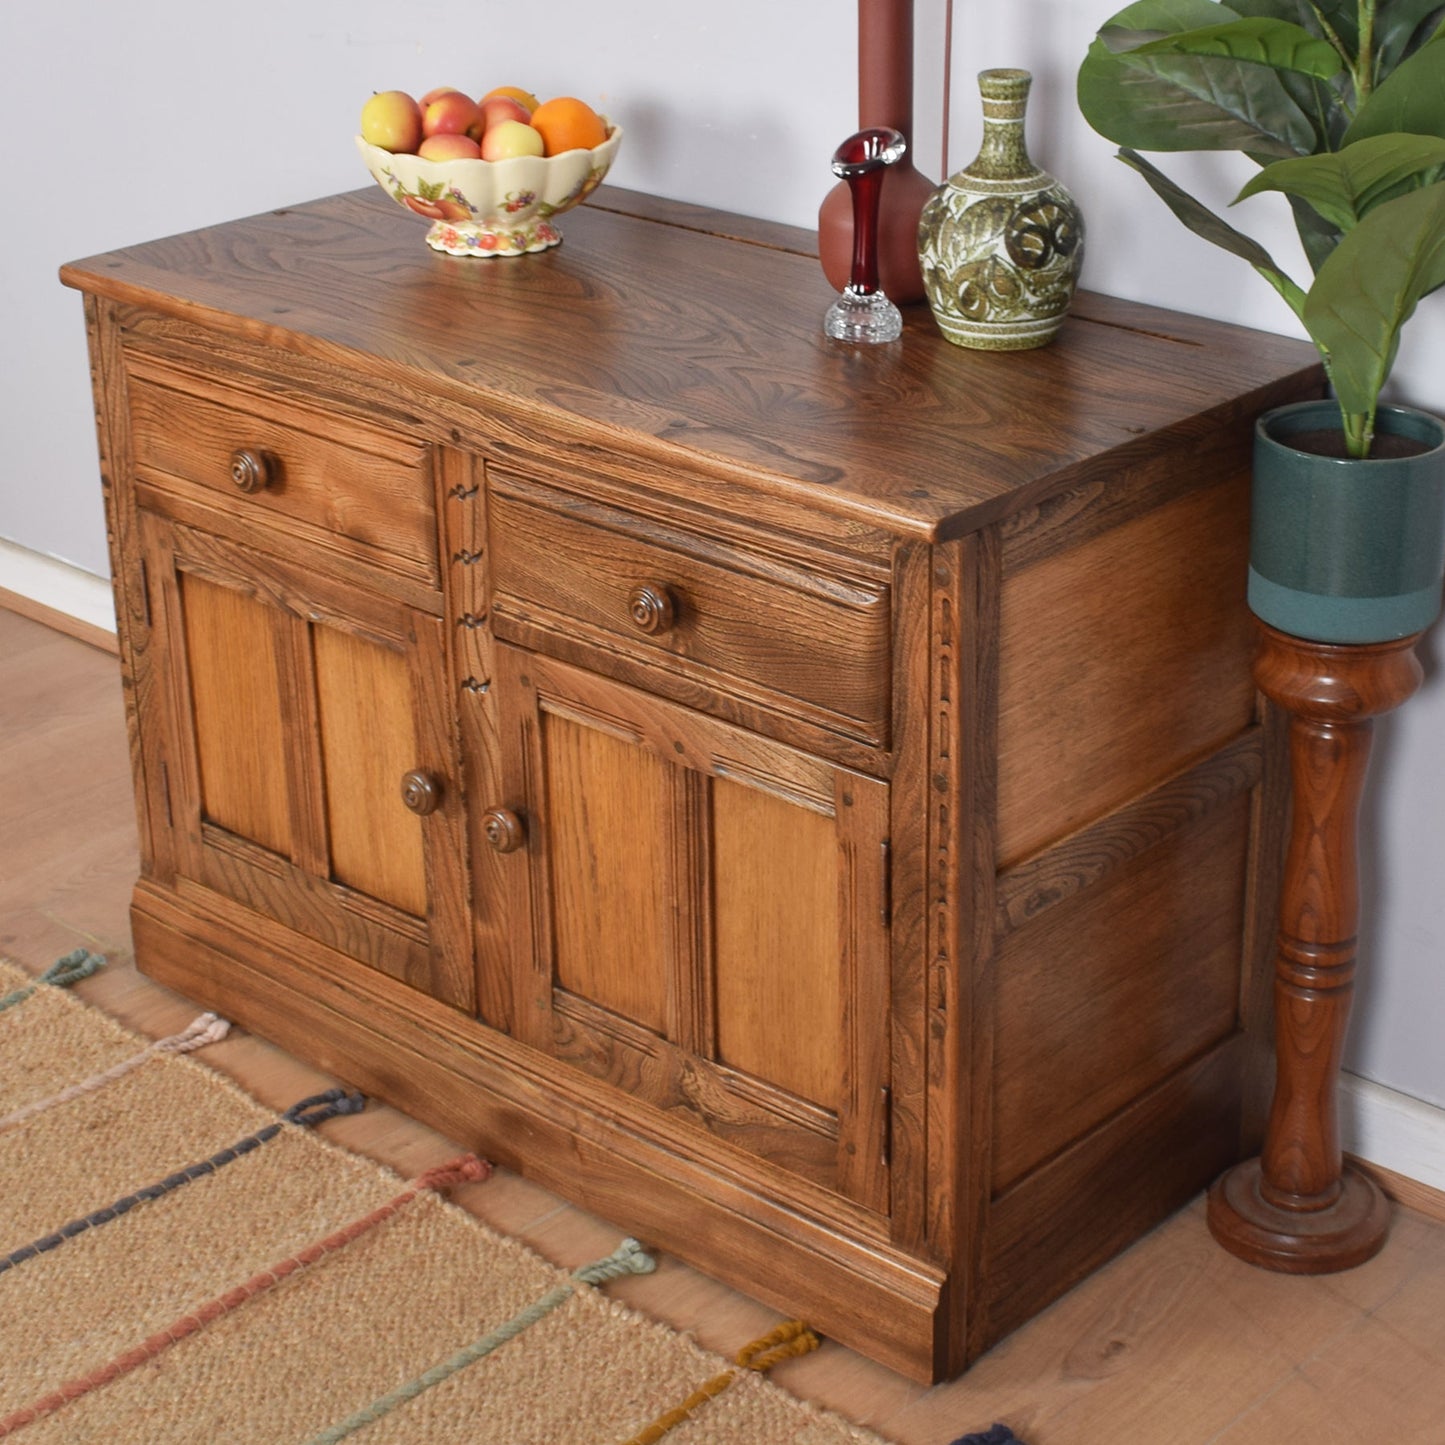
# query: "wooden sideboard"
806,804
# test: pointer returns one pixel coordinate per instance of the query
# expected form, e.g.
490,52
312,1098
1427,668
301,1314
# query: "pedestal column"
1296,1208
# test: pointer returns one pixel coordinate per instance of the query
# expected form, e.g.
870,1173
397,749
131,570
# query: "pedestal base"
1320,1241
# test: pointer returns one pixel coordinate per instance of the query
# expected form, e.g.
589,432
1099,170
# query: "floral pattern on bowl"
492,208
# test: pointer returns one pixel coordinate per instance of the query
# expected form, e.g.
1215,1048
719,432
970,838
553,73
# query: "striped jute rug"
177,1263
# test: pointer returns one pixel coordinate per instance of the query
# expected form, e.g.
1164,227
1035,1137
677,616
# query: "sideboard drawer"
327,478
571,575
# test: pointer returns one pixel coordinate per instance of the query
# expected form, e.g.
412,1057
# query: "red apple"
511,138
391,119
497,108
446,147
450,114
437,93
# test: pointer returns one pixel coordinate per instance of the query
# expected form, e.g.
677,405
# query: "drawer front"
330,480
591,582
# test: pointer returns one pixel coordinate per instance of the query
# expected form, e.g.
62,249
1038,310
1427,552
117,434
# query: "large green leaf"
1169,16
1314,15
1188,102
1411,99
1203,222
1278,44
1344,186
1369,288
1402,26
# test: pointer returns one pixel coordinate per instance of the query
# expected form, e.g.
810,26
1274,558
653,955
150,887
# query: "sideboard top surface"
670,328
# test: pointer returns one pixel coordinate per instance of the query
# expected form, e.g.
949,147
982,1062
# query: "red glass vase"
885,99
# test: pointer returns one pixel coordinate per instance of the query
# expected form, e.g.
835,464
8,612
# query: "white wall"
147,117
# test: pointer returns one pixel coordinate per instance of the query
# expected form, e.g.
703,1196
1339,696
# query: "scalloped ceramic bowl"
492,208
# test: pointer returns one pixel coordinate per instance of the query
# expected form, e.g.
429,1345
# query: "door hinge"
885,904
886,1130
166,794
145,594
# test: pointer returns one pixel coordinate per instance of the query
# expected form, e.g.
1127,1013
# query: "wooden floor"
1175,1343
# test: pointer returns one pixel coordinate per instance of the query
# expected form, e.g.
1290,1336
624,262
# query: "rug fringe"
206,1029
786,1342
63,973
306,1114
628,1258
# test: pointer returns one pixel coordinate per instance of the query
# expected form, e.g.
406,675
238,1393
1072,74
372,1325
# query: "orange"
522,97
568,124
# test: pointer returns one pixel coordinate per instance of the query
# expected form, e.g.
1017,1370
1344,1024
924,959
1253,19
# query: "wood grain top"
671,326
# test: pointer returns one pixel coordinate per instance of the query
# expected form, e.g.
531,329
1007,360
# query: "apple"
392,120
437,92
447,147
497,108
450,114
510,138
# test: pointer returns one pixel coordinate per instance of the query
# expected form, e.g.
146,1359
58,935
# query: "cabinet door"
310,765
707,926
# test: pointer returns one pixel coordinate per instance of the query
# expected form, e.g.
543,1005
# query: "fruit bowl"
491,208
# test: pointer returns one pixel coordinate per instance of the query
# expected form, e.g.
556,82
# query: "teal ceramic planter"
1341,550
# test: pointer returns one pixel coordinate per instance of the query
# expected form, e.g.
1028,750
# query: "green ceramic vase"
1001,242
1345,550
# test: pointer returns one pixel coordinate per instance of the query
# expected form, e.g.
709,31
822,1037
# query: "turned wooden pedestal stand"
1296,1208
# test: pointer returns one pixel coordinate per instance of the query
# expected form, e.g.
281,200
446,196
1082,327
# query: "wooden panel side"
1100,1195
1122,660
1107,994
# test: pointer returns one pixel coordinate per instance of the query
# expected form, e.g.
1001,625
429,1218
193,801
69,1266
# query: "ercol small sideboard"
807,804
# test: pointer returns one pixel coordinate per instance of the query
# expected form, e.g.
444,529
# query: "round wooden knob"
421,792
651,608
251,471
504,829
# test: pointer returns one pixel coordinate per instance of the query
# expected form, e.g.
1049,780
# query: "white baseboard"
1385,1127
57,586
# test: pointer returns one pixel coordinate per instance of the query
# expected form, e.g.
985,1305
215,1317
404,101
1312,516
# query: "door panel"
294,705
606,802
700,931
364,705
777,963
231,655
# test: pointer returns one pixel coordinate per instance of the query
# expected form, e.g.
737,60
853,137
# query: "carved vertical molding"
961,889
914,1204
129,585
471,657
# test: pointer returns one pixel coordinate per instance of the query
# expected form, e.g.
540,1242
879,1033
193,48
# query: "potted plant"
1341,103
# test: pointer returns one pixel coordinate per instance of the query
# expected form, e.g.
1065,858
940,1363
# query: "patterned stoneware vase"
1001,242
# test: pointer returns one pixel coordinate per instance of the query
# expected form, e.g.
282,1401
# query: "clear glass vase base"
863,317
